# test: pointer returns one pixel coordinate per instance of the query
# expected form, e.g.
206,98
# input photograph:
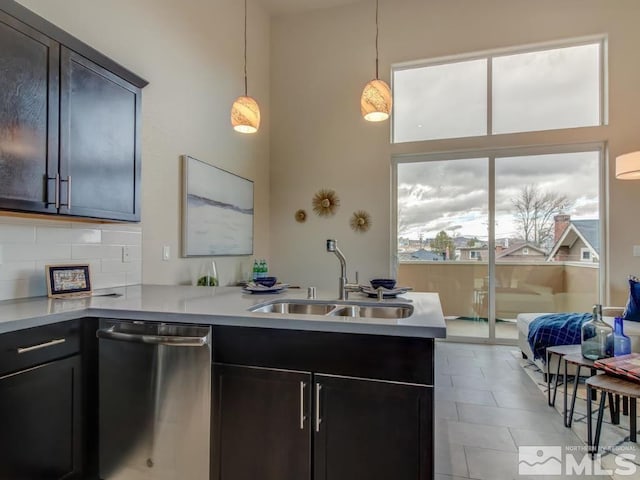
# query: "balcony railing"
520,287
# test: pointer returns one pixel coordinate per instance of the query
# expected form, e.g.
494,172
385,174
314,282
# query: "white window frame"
586,250
525,251
490,54
492,154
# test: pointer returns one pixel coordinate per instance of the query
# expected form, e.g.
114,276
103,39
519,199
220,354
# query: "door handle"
318,419
68,204
303,417
176,341
57,341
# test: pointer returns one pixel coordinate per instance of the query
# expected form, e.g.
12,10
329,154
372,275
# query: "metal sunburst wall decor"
360,221
325,202
301,216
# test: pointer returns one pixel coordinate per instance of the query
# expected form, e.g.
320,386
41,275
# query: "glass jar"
621,343
597,337
207,275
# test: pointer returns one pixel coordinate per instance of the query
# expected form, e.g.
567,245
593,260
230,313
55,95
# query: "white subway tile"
108,279
86,235
53,236
17,270
122,227
33,287
118,266
134,278
18,253
110,237
17,233
84,252
112,252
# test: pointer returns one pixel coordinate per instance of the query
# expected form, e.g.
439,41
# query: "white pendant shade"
376,102
628,166
245,115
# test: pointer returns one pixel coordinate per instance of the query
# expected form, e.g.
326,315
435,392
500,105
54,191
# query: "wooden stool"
579,362
613,386
561,351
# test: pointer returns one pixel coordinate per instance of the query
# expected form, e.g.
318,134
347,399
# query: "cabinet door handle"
68,180
318,419
57,191
57,341
303,417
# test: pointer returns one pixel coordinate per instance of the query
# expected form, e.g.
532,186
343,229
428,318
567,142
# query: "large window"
501,233
528,89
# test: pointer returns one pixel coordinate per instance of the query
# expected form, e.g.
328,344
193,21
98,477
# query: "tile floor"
486,406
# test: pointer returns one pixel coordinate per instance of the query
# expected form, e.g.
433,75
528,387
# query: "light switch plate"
126,255
166,253
636,250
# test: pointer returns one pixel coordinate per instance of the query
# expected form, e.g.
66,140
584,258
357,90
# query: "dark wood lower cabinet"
40,422
372,430
261,425
288,425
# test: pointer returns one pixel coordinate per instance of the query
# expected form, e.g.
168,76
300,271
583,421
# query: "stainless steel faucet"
344,287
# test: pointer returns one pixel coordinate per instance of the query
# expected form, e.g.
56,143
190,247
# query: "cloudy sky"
453,195
549,89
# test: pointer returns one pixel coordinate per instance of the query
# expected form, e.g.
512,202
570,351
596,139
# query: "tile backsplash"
27,245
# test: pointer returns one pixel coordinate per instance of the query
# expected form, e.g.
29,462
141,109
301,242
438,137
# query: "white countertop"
219,306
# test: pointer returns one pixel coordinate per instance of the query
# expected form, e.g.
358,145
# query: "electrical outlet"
636,250
166,253
126,255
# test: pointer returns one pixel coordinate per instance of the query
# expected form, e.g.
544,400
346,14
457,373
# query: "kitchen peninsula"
292,395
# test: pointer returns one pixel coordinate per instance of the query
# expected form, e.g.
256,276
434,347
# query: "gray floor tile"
509,417
463,370
475,435
446,411
486,464
450,459
537,437
444,381
464,395
522,400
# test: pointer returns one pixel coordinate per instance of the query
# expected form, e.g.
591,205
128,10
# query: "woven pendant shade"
376,102
245,115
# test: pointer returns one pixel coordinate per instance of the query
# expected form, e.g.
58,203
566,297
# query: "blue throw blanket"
555,329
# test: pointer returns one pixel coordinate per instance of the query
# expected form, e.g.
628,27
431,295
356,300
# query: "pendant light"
376,101
245,112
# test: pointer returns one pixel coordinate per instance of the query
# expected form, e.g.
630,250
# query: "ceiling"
281,7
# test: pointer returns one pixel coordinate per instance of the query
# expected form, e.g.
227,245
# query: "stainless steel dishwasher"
155,400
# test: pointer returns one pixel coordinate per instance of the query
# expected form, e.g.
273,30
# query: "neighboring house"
478,253
578,242
522,252
421,256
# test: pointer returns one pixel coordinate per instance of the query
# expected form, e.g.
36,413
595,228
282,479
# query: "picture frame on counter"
217,211
67,281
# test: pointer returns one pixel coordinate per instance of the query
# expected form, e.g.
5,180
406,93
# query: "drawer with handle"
34,346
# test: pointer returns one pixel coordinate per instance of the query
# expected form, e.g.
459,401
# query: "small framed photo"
65,281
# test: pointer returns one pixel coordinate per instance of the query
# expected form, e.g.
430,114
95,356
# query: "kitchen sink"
380,311
335,309
304,308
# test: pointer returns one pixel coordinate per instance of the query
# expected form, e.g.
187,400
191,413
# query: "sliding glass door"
501,233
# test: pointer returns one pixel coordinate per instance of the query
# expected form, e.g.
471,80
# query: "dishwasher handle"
174,341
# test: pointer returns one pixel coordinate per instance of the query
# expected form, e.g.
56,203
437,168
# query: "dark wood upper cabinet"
99,144
28,116
69,123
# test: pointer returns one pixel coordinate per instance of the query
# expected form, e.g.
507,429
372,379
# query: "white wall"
191,52
322,59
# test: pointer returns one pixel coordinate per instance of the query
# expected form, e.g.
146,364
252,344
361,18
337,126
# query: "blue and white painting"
217,211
